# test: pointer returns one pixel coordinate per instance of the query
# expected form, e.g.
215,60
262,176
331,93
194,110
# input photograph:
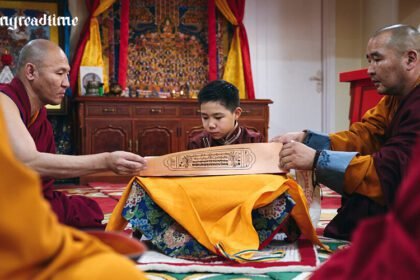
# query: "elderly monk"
367,163
41,79
33,245
377,239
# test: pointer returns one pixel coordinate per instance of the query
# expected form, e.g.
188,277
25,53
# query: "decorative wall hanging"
167,46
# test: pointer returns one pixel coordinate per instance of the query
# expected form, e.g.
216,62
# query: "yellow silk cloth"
92,55
234,69
366,137
217,209
33,245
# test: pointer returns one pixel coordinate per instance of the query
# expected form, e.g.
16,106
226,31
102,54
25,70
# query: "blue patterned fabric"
331,167
169,237
317,141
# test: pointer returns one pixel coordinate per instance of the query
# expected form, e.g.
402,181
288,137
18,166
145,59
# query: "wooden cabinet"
150,127
155,137
107,135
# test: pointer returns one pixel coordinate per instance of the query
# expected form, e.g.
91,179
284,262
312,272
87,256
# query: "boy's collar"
232,136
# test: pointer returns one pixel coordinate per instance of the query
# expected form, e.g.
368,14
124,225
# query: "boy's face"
217,119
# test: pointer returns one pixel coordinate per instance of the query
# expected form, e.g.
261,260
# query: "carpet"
105,194
330,202
303,257
299,256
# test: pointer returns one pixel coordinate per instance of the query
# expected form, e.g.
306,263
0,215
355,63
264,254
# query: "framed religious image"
14,34
91,80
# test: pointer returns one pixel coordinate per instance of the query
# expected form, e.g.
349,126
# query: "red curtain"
123,57
212,42
238,9
91,6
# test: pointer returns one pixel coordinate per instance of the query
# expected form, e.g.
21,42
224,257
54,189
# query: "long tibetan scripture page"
255,158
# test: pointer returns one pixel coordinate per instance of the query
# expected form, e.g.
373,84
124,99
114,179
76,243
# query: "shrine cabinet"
150,127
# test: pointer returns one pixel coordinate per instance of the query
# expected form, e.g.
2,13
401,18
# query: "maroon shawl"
75,211
386,247
391,164
204,139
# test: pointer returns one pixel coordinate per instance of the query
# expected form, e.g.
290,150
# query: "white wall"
376,14
284,40
356,21
409,12
285,45
349,51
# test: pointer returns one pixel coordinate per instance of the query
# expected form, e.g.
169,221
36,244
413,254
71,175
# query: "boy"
149,216
220,111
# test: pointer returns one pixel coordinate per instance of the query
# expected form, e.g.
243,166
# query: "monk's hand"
289,137
125,163
295,155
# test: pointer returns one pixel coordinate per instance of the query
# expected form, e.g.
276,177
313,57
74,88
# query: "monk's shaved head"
402,37
43,69
35,52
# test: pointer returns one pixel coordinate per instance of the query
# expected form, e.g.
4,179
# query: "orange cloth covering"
33,245
384,140
366,137
217,209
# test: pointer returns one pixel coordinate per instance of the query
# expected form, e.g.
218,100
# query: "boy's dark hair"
220,91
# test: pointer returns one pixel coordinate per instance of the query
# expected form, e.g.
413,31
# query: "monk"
33,245
220,111
41,79
366,164
385,247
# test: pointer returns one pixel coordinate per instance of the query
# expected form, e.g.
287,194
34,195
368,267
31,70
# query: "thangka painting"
168,49
14,38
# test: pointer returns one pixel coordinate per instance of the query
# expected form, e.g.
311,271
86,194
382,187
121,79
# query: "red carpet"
106,194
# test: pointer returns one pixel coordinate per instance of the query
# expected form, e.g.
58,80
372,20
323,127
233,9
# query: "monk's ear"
412,59
237,112
30,71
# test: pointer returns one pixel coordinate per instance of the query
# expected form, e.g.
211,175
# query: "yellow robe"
366,137
216,210
33,245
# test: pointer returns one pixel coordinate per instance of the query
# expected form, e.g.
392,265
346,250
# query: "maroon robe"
391,163
239,136
76,211
385,247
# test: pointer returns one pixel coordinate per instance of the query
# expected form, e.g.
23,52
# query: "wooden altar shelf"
150,127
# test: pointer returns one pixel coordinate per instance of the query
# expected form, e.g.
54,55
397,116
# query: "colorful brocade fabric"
169,237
